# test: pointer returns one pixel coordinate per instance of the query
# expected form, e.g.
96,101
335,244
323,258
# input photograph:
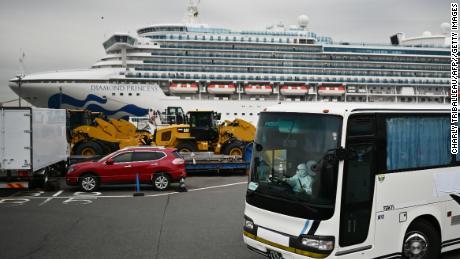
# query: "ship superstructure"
239,73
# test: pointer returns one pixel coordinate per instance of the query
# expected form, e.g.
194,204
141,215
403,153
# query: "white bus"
353,181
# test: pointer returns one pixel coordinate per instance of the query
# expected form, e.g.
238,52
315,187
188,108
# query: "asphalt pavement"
205,222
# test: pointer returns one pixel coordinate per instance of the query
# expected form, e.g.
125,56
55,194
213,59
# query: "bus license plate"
274,255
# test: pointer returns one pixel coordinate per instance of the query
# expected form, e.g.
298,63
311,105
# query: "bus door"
355,230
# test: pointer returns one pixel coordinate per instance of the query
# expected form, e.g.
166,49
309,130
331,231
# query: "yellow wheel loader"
202,133
100,136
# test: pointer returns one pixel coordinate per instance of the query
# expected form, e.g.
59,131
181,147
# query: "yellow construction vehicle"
202,133
99,136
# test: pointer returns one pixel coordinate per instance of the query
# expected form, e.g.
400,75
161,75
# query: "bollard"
138,187
182,187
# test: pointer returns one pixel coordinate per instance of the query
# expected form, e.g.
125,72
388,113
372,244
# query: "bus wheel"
422,241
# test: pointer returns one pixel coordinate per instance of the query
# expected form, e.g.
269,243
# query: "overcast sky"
68,34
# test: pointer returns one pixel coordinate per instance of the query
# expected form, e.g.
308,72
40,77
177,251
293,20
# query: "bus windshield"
292,171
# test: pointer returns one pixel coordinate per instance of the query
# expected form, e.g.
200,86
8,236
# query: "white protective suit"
303,180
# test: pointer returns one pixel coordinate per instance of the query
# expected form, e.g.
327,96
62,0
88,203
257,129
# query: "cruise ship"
239,73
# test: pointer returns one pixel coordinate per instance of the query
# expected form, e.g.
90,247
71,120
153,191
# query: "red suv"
157,166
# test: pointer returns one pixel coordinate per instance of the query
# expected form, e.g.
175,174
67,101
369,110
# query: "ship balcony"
119,41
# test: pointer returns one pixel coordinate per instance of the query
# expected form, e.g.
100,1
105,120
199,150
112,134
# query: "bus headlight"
248,224
321,243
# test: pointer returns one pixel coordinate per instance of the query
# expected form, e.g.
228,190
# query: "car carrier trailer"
33,145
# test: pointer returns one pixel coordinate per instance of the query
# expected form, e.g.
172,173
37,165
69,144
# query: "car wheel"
422,241
161,181
88,183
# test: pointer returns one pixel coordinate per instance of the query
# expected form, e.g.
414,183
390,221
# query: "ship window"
113,94
228,113
138,94
121,94
130,94
235,113
243,114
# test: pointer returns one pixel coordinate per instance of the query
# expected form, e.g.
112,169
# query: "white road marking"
216,186
14,202
53,196
82,196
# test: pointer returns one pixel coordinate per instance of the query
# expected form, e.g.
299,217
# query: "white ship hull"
115,100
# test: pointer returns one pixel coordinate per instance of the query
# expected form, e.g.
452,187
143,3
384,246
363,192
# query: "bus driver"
304,178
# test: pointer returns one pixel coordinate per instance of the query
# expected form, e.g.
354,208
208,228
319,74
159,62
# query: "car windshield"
290,162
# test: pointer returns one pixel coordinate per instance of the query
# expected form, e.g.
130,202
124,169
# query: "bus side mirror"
258,147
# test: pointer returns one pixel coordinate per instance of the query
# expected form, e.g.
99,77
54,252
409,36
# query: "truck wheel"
39,180
161,181
186,147
234,148
88,182
88,148
422,241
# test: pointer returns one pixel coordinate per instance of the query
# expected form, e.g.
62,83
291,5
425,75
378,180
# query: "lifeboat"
183,88
294,89
331,89
258,89
221,88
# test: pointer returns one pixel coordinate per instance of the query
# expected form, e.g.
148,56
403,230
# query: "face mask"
301,172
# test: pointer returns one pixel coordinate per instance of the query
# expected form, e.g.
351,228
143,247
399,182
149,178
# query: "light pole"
19,77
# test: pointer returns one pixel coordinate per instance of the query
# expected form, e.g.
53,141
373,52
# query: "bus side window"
417,142
361,125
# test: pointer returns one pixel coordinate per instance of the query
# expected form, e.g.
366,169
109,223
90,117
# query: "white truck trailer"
33,145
